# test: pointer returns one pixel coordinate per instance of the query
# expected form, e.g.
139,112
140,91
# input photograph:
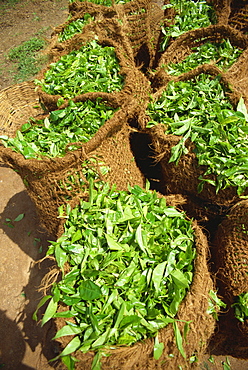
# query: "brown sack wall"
231,244
108,33
45,179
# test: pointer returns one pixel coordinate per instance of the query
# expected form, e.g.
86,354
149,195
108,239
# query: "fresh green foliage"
6,4
74,27
131,264
214,304
158,349
10,223
199,110
226,364
91,68
27,57
93,168
223,54
190,15
241,307
51,136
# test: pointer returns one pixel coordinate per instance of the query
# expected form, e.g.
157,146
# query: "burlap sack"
193,308
222,10
182,46
235,76
48,181
239,15
231,12
183,177
231,245
141,20
109,33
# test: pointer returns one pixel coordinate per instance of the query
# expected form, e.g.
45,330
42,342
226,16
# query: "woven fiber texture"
239,15
235,76
234,13
17,104
49,181
140,19
108,33
182,46
183,177
231,244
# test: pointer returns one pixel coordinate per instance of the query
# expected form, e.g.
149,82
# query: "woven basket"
109,33
234,13
17,104
183,178
231,244
140,19
48,180
182,46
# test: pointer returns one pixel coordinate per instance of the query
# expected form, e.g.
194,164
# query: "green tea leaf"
241,107
71,347
67,330
89,290
113,245
69,361
19,217
50,311
179,278
157,275
158,349
179,339
139,238
96,363
41,303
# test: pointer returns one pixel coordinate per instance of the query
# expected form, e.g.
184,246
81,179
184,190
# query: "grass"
7,3
27,58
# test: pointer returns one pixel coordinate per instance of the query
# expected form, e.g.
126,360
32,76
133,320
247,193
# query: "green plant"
199,110
130,259
226,364
241,307
8,3
52,136
214,304
74,27
91,68
190,15
27,58
36,17
223,54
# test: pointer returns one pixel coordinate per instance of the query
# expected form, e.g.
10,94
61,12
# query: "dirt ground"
22,21
24,345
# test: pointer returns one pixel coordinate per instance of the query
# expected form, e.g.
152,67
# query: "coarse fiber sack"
234,13
108,33
239,15
57,181
243,327
236,75
182,46
183,177
231,248
193,309
140,20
